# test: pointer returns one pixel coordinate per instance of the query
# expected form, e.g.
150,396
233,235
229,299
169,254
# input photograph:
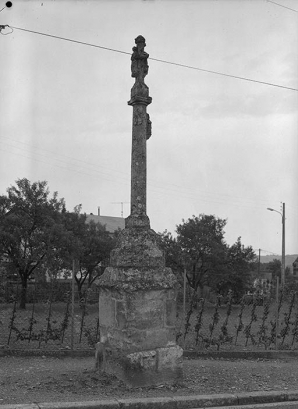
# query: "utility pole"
74,271
283,254
283,257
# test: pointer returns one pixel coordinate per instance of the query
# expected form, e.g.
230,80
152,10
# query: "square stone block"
137,313
144,368
106,306
133,339
146,310
170,357
170,318
120,314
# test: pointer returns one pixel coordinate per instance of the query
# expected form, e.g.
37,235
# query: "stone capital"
135,100
138,221
134,280
136,248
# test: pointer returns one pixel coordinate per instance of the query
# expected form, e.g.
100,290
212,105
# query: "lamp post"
283,261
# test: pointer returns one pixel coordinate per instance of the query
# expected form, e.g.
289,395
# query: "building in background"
295,268
112,224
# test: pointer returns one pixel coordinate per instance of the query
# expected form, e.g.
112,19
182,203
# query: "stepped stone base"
146,368
137,312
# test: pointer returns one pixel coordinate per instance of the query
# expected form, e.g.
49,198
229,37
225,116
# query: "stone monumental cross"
137,300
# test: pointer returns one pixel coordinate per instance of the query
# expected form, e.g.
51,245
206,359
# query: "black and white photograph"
148,204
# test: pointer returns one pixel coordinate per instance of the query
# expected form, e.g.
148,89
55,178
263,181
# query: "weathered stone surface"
137,300
137,320
137,248
135,279
106,306
141,131
149,367
138,340
169,357
170,315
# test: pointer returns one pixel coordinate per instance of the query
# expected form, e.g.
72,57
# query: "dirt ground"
48,379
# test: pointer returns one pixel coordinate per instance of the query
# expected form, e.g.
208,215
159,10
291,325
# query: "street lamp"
283,260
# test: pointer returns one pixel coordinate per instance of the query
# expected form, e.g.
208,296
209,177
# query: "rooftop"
112,223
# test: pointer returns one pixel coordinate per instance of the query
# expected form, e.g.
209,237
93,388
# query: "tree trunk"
23,299
81,295
200,289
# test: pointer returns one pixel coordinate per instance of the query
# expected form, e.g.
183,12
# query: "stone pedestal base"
146,368
137,312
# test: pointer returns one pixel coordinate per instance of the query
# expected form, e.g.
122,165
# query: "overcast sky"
219,145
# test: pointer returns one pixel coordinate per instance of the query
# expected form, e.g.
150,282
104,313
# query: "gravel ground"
47,379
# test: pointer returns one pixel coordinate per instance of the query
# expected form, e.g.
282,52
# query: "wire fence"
256,322
57,317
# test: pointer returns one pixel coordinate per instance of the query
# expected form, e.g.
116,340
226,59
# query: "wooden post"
184,292
277,318
72,302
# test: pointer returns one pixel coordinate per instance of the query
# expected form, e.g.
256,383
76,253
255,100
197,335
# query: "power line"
225,75
32,147
266,251
80,171
156,59
120,174
70,40
161,189
165,191
168,189
280,5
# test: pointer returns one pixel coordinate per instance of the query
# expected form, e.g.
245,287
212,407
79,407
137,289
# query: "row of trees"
38,235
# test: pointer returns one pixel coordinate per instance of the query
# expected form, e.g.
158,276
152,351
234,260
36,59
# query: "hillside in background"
290,258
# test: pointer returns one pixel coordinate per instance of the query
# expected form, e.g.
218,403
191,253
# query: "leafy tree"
287,271
90,245
173,253
203,247
240,262
199,247
30,228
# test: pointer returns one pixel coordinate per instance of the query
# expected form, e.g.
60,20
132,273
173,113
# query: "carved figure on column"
139,64
139,68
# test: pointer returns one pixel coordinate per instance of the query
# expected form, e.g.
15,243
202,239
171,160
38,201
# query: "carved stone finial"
139,65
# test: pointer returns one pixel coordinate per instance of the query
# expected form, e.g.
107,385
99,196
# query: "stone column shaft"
138,161
138,200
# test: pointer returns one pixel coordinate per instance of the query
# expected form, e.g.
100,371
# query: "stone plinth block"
145,368
137,248
137,221
137,308
137,312
137,278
